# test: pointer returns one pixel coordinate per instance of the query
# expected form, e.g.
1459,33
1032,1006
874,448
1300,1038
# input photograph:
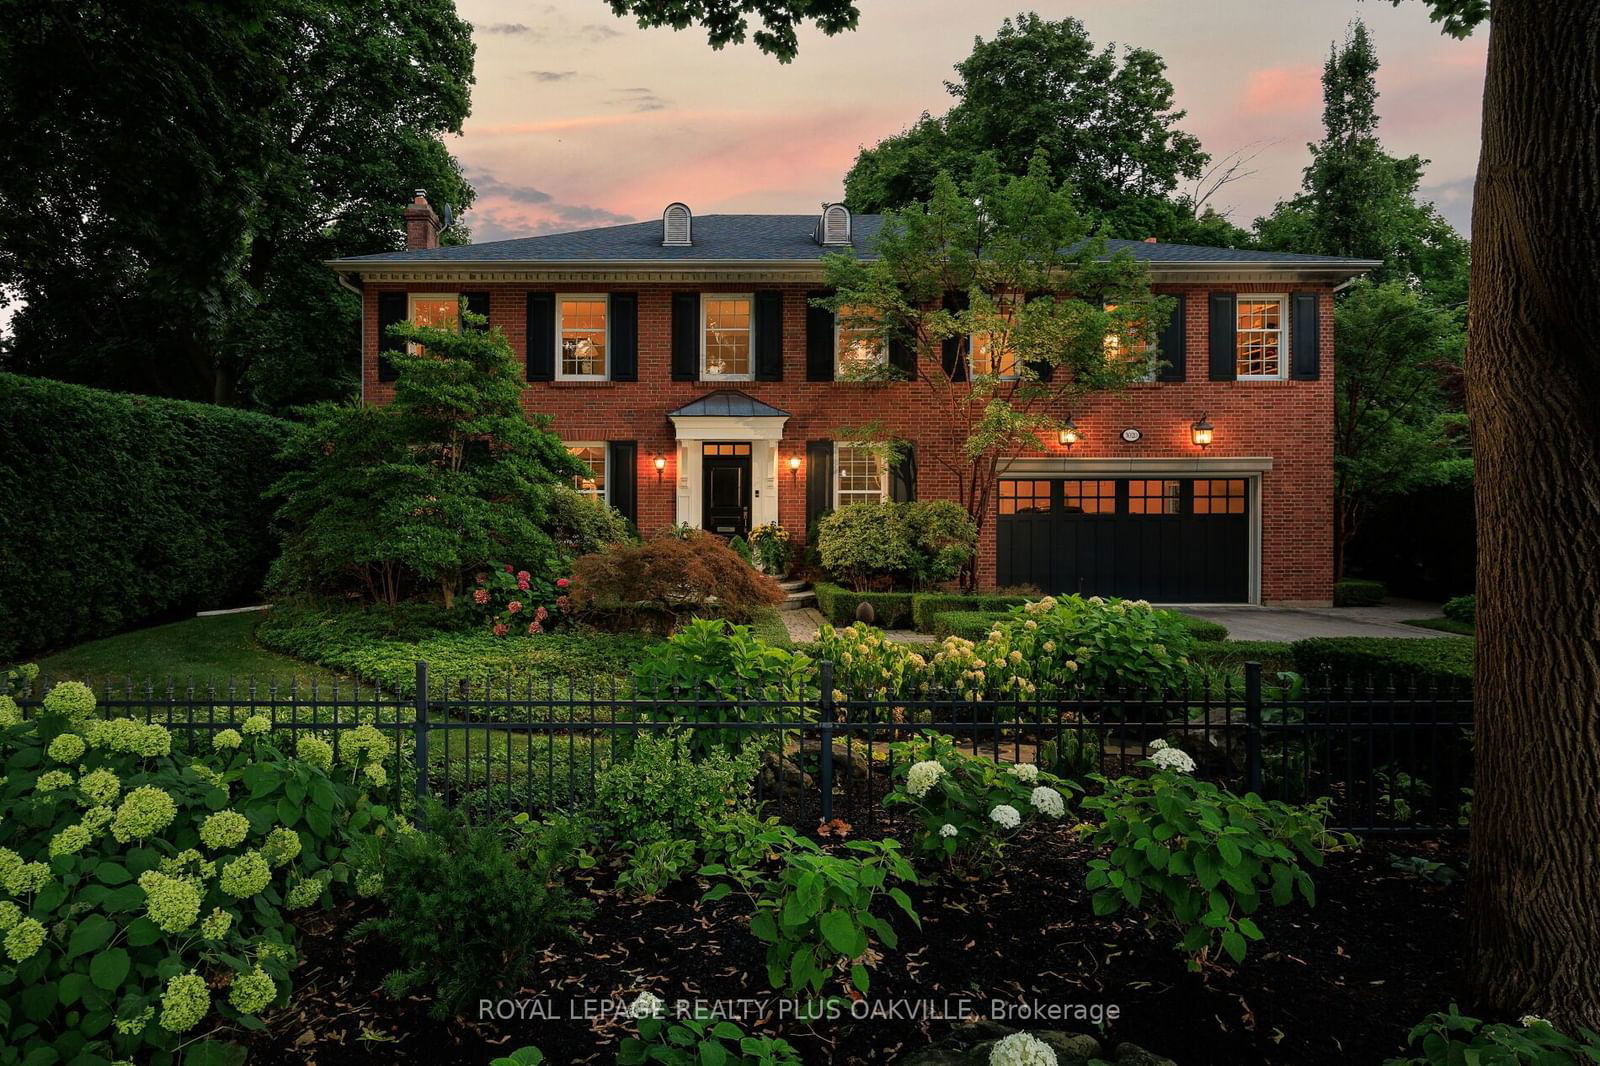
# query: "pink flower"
514,606
534,627
562,583
500,629
523,575
508,568
523,584
541,614
480,596
483,579
562,602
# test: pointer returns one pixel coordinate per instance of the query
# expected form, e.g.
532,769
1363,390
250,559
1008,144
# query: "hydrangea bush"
964,808
143,892
1198,859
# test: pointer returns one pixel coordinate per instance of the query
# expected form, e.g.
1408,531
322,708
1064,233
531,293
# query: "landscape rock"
971,1044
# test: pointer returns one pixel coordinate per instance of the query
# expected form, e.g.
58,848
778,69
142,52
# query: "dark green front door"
726,490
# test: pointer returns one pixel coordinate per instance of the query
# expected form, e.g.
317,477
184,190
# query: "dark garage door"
1175,540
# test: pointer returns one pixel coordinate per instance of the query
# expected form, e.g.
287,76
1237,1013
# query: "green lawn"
203,649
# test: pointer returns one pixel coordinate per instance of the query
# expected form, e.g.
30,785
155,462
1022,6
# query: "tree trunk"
1533,394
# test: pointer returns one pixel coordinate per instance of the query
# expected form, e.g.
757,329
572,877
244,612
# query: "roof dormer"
833,228
675,222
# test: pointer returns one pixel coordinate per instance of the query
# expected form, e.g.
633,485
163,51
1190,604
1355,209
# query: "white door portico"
728,417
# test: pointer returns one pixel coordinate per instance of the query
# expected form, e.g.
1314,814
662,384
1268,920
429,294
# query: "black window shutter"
769,335
903,357
1042,368
392,307
1172,343
685,336
478,304
819,480
622,477
955,366
819,339
1305,327
541,336
903,475
1223,329
623,315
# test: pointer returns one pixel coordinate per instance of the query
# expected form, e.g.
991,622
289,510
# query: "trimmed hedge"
1353,592
121,509
1202,629
1461,609
924,605
973,625
1273,655
1439,661
838,605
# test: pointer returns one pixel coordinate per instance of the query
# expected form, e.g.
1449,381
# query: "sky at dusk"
582,119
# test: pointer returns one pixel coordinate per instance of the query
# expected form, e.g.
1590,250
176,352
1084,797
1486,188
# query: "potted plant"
771,546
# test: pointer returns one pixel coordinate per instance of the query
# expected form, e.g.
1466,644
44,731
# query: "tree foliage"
178,172
1104,122
450,477
1009,245
726,21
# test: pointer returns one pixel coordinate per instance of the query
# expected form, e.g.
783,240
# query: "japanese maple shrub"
673,576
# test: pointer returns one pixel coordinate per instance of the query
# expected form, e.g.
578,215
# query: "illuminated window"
1219,497
857,344
991,354
725,449
1152,497
1089,497
1024,497
725,329
861,476
441,310
581,330
593,455
1259,342
1132,348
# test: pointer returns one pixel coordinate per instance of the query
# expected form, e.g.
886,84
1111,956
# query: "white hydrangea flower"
1167,758
1022,1049
1005,816
1048,801
923,776
647,1005
1157,744
947,830
1024,771
1528,1021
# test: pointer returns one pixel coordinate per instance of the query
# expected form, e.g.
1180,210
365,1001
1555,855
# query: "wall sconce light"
1201,432
661,465
794,467
1069,433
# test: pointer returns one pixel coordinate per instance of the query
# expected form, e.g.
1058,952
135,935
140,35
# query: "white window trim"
1282,331
605,366
604,495
706,375
838,478
411,310
838,365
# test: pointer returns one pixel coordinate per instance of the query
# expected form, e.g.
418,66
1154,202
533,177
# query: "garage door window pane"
1089,497
1219,497
1152,497
1024,497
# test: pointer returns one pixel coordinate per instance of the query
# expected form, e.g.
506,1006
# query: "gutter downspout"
361,331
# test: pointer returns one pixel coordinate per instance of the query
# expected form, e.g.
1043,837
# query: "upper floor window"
581,332
593,455
725,336
1132,348
1259,345
861,476
441,310
992,354
857,346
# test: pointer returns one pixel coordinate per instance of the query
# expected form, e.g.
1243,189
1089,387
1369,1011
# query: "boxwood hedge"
891,610
120,509
1443,662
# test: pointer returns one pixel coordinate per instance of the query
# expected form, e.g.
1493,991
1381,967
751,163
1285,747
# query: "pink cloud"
1281,90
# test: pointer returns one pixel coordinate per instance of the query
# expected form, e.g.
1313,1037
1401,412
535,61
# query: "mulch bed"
1338,983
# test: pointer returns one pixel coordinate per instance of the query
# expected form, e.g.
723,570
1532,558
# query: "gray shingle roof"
770,238
729,402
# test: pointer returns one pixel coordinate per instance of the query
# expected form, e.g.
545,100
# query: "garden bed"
1339,983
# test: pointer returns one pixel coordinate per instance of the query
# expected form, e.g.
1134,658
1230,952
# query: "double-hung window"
1131,348
861,476
1259,343
992,354
440,310
857,345
593,455
581,337
725,321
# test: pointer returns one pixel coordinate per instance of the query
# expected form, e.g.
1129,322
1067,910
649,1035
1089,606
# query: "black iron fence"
1391,756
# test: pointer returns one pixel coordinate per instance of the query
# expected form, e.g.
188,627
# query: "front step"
797,593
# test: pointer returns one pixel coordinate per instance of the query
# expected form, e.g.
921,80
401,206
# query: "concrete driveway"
1296,623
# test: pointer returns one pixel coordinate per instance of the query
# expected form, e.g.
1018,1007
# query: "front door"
725,485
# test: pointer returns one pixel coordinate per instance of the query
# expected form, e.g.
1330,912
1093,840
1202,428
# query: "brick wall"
1289,421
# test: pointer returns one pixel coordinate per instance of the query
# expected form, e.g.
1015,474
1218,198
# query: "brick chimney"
422,225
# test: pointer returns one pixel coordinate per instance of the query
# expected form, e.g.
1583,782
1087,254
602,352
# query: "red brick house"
682,359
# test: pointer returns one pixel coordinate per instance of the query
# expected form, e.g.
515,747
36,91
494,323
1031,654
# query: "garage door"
1176,540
